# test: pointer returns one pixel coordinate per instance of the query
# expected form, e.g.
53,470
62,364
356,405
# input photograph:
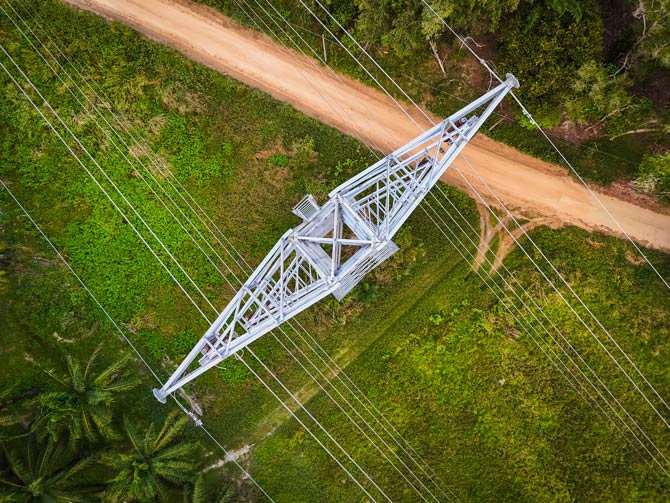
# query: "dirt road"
527,185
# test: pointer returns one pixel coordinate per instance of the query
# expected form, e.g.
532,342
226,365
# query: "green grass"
247,159
479,401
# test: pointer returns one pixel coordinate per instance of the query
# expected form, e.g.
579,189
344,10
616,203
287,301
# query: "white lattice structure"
337,243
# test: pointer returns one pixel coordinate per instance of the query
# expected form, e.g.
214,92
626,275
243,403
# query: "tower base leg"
160,396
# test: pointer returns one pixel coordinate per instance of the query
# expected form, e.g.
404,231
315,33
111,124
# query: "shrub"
654,176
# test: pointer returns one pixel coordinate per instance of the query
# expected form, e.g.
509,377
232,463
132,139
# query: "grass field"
423,337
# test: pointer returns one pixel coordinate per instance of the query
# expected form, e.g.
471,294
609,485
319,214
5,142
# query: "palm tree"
12,414
43,473
154,463
80,409
197,493
6,418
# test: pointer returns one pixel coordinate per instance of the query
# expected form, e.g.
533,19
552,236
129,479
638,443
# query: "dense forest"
436,344
595,74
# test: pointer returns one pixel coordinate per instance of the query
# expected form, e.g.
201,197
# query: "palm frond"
177,472
102,417
17,467
29,457
39,427
132,435
74,430
9,483
76,376
177,451
155,486
64,477
198,493
120,385
119,463
172,427
91,361
186,467
150,440
15,437
59,378
224,494
87,425
96,396
116,491
47,457
105,377
52,398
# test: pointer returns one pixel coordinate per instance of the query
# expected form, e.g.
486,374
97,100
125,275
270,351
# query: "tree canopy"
80,409
155,460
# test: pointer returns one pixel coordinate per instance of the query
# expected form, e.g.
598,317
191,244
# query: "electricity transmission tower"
337,243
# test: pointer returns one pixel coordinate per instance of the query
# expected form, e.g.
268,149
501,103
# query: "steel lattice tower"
337,243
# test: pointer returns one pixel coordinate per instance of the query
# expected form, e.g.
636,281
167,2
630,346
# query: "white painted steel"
337,243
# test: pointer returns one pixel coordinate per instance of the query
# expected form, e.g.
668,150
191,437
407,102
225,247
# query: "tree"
654,41
603,96
394,25
197,492
654,175
545,55
574,8
154,462
471,15
81,408
43,473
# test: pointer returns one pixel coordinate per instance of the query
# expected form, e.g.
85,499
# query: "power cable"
587,378
138,161
352,56
532,120
111,200
644,395
128,341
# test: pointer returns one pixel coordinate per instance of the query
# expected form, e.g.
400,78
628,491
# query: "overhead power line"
532,120
206,217
530,239
154,192
123,335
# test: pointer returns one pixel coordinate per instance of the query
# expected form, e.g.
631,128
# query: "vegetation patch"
593,73
422,336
